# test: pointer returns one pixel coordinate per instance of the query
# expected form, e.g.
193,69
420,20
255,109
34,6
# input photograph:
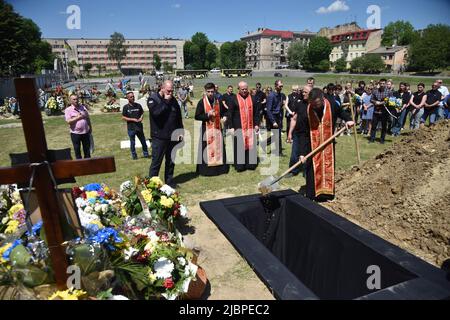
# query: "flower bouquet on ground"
111,106
52,106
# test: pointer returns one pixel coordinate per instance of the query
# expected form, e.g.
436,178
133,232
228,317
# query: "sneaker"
371,141
146,156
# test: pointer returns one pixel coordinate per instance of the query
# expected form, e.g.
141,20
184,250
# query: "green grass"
109,130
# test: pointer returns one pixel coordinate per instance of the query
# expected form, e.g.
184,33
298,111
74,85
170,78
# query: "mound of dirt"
403,195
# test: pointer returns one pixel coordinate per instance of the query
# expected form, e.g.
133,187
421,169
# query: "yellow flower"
3,250
12,226
97,223
91,194
106,189
14,209
147,196
70,294
151,277
167,202
157,181
124,212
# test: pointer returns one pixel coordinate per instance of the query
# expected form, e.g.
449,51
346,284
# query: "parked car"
278,75
215,70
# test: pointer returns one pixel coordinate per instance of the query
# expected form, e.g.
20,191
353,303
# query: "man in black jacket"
166,129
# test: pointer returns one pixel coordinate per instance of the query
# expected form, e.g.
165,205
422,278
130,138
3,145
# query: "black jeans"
77,140
161,149
377,117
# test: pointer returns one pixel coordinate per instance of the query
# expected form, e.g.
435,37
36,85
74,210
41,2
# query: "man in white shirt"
444,91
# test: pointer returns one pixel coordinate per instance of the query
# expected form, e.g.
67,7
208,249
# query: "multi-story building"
395,57
140,53
267,49
354,44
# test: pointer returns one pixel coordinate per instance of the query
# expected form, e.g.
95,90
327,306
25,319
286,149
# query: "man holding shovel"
318,123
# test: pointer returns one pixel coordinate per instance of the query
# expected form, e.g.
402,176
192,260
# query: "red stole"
323,162
246,111
213,135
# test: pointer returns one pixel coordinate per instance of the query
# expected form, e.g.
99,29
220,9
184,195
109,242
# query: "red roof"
281,34
353,36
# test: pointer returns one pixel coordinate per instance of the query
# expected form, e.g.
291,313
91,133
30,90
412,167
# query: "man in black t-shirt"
260,101
133,114
431,107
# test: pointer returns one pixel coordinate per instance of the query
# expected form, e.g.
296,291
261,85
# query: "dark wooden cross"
45,189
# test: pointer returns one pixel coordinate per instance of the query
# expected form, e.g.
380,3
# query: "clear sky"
224,20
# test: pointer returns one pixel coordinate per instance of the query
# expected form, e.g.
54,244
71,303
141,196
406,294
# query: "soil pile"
403,195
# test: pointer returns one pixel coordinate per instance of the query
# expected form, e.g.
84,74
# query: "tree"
167,67
340,65
400,32
87,67
211,53
22,49
369,63
318,51
432,50
232,55
116,49
99,68
296,54
157,62
225,55
72,64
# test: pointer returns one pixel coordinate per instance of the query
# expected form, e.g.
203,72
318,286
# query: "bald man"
244,120
166,128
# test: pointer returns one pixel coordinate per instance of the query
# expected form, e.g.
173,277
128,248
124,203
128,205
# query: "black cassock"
203,168
243,159
305,143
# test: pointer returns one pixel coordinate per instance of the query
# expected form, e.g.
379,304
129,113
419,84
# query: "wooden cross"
45,190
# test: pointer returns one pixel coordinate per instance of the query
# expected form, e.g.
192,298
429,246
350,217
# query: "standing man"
244,121
316,124
444,92
77,117
431,106
380,113
218,95
182,96
310,82
166,127
133,114
417,102
211,153
391,110
296,129
226,99
275,102
260,101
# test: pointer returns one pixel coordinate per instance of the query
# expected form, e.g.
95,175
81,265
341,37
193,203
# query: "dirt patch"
403,195
230,277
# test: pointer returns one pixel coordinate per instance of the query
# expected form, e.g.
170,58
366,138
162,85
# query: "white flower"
118,298
191,270
88,210
98,208
152,236
16,197
126,188
182,261
86,219
185,285
170,296
129,253
5,220
168,190
163,268
80,202
104,208
183,211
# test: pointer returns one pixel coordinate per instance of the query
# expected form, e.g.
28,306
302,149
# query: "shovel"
271,183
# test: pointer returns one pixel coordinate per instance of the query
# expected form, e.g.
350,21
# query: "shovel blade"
267,186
